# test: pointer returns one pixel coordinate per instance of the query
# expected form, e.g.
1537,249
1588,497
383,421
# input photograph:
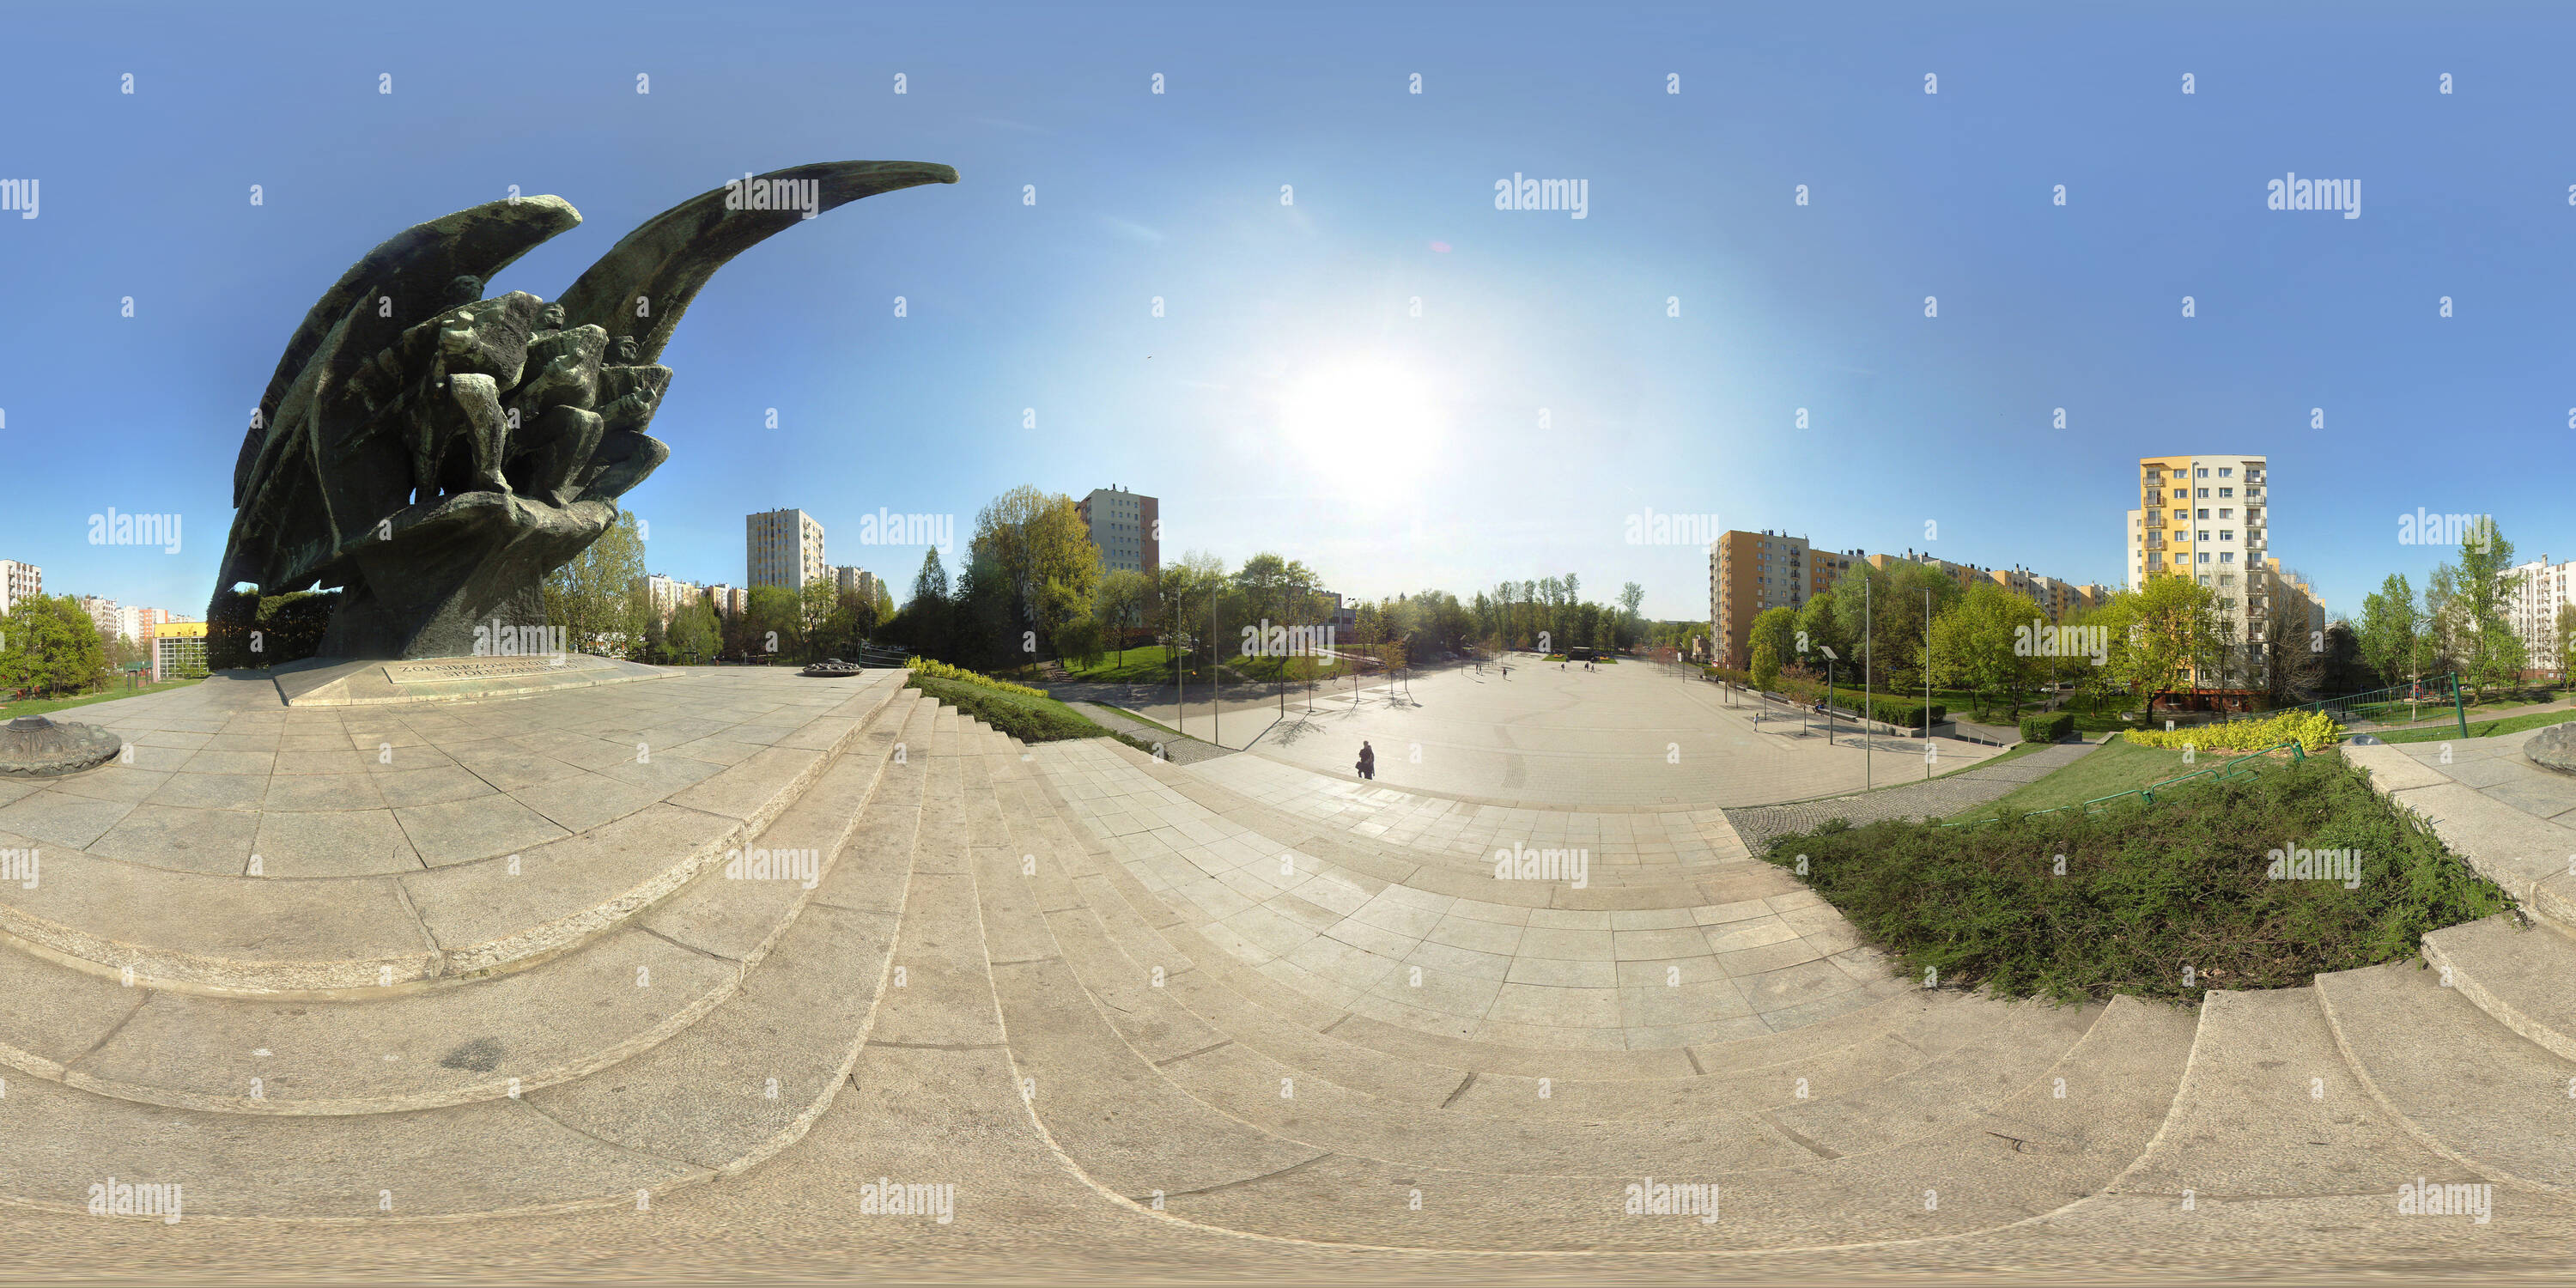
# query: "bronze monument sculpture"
437,454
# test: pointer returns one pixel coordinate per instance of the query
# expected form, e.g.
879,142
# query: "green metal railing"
2218,773
2400,704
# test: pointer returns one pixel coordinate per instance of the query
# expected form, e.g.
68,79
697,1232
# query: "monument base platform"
334,682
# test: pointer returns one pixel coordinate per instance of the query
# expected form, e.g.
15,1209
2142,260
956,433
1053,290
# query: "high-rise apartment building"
102,612
1127,527
2206,517
668,595
729,601
19,581
783,548
2538,591
851,579
1749,572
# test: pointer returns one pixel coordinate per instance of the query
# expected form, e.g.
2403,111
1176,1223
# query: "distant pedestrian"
1368,761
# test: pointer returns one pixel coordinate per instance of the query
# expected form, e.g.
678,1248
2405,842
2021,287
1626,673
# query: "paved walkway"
1625,735
1937,799
1180,751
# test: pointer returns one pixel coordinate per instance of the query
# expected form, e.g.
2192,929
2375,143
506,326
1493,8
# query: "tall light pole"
1830,659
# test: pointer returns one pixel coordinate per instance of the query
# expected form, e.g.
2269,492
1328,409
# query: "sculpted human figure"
434,454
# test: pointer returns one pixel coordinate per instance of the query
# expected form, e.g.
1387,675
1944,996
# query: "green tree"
1766,664
2166,631
2494,654
1819,628
1119,602
1985,644
49,644
775,623
2389,630
1031,539
1777,627
598,598
694,635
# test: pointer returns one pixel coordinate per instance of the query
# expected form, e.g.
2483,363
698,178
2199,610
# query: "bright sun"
1375,418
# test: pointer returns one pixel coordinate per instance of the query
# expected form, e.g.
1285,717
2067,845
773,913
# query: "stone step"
2465,1088
276,936
1801,1069
1451,868
606,1001
2533,858
744,1082
1317,1004
2034,1154
1198,1056
2523,975
2269,1109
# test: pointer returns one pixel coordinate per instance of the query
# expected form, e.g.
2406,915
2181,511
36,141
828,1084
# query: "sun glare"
1375,417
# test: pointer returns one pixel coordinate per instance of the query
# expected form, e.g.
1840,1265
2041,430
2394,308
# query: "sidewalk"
1180,751
1939,798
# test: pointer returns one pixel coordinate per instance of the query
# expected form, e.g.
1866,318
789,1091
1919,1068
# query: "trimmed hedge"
938,670
1888,708
2314,730
2052,727
1743,678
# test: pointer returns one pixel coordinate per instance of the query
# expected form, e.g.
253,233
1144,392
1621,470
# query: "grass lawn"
2148,890
1025,718
2480,728
2116,766
46,706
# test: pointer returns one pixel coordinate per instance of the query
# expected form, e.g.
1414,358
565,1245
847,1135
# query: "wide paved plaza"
1630,734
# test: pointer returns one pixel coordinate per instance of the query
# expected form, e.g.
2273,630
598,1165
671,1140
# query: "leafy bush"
248,631
2053,727
1885,708
938,670
2313,730
2149,889
1732,677
1014,709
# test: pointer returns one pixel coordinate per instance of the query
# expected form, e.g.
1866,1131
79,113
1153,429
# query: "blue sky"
1231,407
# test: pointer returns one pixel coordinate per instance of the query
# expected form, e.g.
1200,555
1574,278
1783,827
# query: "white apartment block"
2538,590
783,548
851,579
668,595
19,581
